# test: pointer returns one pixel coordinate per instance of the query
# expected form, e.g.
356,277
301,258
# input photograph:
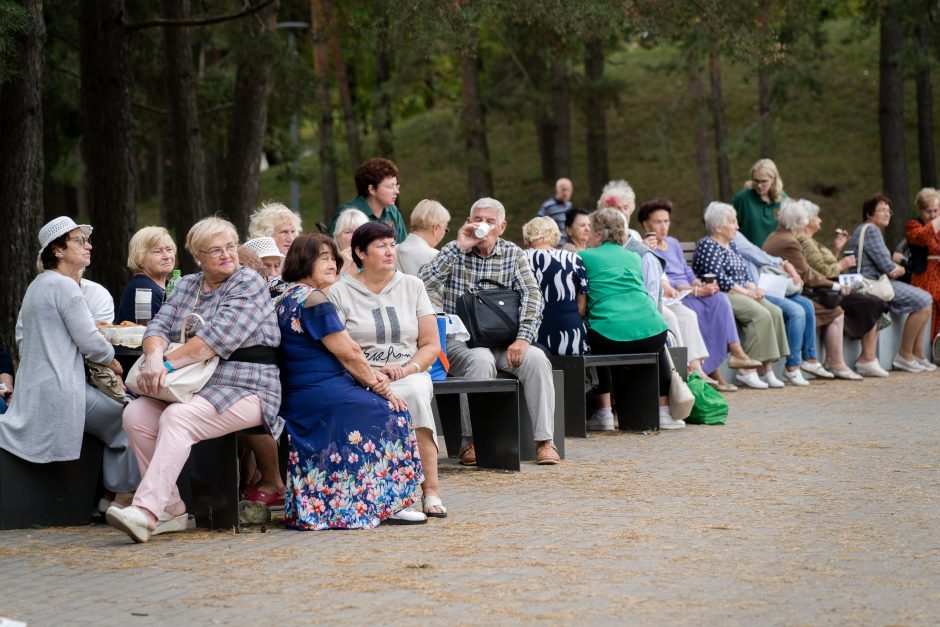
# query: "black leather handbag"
490,315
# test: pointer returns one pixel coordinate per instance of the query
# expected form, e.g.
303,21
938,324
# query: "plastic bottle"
171,284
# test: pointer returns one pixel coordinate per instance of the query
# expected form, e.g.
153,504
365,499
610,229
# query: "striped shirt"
556,210
239,313
453,272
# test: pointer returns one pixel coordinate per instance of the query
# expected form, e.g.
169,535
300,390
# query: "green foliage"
14,23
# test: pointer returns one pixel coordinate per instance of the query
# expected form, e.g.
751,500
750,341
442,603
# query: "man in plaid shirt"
460,266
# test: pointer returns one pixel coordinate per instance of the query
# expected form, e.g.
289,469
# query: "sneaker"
407,516
794,377
601,420
751,380
816,369
928,365
870,369
845,373
666,421
899,363
772,381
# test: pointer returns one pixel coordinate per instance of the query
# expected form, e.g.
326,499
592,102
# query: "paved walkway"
814,505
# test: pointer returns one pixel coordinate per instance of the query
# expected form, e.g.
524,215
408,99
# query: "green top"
618,306
390,215
756,218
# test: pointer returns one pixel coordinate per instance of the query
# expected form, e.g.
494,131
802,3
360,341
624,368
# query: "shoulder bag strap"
492,282
496,310
861,248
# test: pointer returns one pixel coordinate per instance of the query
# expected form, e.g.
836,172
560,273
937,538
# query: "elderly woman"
578,229
390,316
54,404
621,317
923,234
620,196
874,259
429,220
236,323
710,304
269,253
350,434
563,283
762,325
275,220
758,202
151,257
378,188
346,224
855,315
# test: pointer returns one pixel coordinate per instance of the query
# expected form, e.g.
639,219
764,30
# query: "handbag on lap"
490,315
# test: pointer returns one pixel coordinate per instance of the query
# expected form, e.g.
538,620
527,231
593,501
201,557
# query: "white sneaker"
794,378
751,380
899,363
601,420
816,369
870,369
771,380
666,421
407,516
928,365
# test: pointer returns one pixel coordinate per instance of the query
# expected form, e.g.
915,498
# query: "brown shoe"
547,453
468,455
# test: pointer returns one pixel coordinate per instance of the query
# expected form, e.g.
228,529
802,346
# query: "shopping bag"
710,406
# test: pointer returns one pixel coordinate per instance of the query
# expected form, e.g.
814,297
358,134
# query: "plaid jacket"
453,272
239,313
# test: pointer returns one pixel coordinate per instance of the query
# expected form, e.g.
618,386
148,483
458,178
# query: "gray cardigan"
46,418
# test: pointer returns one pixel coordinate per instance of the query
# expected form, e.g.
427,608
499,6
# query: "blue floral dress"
352,460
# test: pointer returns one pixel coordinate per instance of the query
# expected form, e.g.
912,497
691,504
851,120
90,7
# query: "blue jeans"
800,321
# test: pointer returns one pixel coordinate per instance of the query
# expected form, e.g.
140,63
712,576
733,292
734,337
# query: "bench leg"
575,414
636,390
213,479
448,410
495,421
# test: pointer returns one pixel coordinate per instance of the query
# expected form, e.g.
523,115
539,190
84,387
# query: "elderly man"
556,206
460,266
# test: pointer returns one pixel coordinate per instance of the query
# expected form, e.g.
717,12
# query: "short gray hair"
616,193
491,203
609,225
717,214
794,214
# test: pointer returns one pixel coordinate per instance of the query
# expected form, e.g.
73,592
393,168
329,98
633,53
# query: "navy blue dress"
126,306
561,278
352,460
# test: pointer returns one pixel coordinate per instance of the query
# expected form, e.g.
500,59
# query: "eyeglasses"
391,185
884,210
217,252
81,239
761,181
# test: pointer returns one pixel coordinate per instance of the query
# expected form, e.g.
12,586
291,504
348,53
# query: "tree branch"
206,21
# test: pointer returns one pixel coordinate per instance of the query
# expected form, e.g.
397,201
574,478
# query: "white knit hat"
263,247
57,228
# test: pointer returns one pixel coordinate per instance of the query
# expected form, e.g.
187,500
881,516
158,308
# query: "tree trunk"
595,115
329,189
106,138
561,98
473,122
533,66
253,83
926,154
189,160
891,119
545,134
763,86
702,148
382,104
21,169
345,99
718,115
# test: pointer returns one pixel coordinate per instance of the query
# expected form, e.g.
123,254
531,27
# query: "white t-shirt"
385,325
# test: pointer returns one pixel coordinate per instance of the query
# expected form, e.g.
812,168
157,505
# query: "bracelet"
417,366
166,364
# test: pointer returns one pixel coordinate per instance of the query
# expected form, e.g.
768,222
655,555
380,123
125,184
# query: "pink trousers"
162,434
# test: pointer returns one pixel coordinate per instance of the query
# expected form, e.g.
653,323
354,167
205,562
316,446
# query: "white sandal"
427,502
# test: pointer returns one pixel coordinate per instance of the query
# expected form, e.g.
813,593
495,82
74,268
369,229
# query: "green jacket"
390,215
756,218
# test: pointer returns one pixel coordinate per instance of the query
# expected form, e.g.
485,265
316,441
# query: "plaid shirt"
453,272
239,313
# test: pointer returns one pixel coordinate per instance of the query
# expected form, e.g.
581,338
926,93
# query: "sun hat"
264,247
57,228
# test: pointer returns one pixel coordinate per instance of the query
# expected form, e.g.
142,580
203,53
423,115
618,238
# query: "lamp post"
291,27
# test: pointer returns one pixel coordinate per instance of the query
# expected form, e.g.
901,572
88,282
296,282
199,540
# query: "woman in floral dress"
353,460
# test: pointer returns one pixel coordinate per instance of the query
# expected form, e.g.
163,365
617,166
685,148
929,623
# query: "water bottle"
171,284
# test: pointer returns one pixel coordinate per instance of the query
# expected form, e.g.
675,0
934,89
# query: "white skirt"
418,391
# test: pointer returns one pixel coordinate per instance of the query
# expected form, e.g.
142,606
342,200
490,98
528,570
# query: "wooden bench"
494,417
641,393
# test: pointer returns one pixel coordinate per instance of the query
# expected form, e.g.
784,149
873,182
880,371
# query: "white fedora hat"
264,247
57,228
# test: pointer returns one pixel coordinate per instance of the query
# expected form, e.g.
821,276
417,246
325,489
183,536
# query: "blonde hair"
770,168
609,225
141,243
541,229
206,229
925,197
268,217
427,214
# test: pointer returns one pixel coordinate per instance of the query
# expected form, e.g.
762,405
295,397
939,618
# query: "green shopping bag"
710,407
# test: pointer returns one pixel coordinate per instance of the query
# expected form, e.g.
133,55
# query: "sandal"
430,502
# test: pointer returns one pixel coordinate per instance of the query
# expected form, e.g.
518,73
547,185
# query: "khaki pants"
763,332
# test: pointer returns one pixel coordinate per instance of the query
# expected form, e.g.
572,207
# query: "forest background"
124,113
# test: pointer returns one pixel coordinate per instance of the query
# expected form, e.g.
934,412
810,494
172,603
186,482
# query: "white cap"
57,228
263,247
